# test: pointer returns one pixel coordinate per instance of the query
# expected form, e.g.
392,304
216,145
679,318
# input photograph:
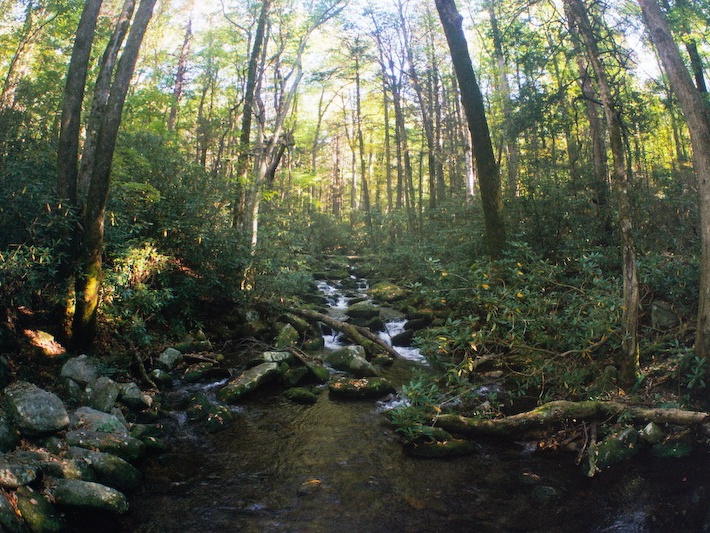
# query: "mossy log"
357,334
549,414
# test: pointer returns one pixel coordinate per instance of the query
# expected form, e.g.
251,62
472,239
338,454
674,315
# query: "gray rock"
88,495
161,378
125,447
213,417
135,398
651,433
8,434
35,411
39,514
170,359
82,369
351,359
109,469
278,357
16,474
51,464
102,394
663,316
91,419
247,382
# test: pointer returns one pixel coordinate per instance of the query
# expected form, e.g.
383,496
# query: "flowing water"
338,466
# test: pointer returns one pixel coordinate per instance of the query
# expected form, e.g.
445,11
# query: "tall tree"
90,250
472,100
628,362
697,116
180,74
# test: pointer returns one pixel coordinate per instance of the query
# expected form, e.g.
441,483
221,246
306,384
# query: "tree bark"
628,362
180,77
91,249
552,413
472,100
697,116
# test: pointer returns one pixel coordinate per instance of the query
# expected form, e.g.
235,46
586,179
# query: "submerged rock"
302,395
435,449
88,495
35,411
360,389
247,382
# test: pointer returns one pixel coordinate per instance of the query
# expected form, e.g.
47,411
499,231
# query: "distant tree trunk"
472,100
697,116
361,142
242,169
503,86
90,251
628,363
180,77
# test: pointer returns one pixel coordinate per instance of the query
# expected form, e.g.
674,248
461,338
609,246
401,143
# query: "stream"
338,465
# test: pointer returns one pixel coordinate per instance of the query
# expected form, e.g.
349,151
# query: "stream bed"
338,465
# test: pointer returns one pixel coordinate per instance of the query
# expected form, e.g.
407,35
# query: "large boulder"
361,389
287,336
109,469
248,381
101,394
351,359
35,411
387,292
87,495
363,311
82,369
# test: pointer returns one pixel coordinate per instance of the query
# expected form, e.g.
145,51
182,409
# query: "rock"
204,371
674,446
51,464
319,372
34,410
16,474
663,316
9,521
133,397
387,292
382,359
436,449
417,323
100,431
247,382
309,486
616,448
212,416
363,310
8,434
161,378
39,514
169,359
293,376
194,346
545,494
351,359
95,420
88,495
287,336
300,324
365,388
301,395
102,394
651,434
109,469
82,369
314,344
403,339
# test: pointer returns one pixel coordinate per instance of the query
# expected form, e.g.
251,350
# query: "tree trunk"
628,363
697,116
180,77
472,100
89,277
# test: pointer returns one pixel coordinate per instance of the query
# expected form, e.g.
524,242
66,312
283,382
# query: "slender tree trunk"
628,363
180,77
697,116
91,249
361,145
472,100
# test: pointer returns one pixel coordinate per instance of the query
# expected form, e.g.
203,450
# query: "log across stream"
338,465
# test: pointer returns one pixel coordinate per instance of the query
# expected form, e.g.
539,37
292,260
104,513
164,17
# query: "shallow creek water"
338,465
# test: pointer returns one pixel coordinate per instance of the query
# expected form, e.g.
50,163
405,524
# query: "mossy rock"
387,292
212,416
361,389
314,344
39,514
293,376
364,310
319,372
674,446
616,448
193,346
288,336
302,395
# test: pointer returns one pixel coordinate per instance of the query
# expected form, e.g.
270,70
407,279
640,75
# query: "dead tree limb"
359,335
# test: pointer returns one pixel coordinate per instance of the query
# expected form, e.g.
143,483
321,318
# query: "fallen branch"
560,411
359,335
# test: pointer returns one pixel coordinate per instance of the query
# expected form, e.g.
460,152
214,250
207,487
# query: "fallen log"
357,334
556,412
